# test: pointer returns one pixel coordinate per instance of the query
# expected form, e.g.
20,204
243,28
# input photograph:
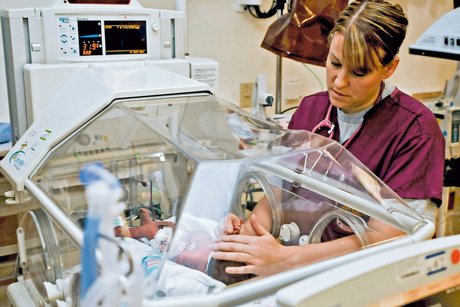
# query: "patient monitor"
90,32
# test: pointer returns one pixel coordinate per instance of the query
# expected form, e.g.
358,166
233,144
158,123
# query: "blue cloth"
89,272
5,132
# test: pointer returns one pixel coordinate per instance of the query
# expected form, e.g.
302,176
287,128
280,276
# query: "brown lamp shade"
302,34
99,1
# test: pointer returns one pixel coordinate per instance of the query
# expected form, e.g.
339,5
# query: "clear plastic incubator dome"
186,163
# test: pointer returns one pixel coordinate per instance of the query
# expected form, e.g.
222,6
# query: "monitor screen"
125,37
90,37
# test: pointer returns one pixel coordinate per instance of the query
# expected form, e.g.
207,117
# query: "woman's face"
349,90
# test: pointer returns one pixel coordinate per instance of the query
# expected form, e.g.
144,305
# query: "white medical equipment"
423,274
449,121
260,98
140,121
441,39
90,32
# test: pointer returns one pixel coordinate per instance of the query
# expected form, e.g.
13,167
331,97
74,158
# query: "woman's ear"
390,68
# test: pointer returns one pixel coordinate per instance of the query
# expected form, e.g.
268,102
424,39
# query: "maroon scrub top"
399,140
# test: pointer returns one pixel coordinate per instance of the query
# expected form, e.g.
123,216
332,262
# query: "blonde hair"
373,30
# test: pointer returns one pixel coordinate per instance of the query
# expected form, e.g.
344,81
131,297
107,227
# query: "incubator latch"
289,233
16,197
21,247
56,291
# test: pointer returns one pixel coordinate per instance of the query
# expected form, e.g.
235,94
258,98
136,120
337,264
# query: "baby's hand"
163,224
234,224
231,224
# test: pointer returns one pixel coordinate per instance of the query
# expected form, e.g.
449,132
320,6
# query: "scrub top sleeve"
310,112
417,170
296,119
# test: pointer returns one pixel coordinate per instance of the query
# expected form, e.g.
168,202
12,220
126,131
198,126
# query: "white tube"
21,247
65,222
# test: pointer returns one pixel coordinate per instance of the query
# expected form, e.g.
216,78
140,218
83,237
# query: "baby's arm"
233,224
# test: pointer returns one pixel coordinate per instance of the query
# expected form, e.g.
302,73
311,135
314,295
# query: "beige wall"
233,39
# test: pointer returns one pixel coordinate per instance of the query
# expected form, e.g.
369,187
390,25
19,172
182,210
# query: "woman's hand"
262,253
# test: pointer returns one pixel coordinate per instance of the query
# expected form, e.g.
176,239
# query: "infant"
147,229
193,241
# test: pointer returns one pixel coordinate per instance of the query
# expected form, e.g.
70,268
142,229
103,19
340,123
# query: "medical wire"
317,79
256,12
314,75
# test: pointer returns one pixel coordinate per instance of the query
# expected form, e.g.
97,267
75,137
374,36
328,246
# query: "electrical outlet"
241,4
246,94
293,102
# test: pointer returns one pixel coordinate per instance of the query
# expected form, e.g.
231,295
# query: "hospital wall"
215,30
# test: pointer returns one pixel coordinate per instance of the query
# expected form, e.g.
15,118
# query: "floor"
3,297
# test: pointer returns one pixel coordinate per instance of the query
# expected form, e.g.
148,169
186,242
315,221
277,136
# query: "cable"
255,10
317,79
289,109
314,75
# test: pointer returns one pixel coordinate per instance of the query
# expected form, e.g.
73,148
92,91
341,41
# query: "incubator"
185,160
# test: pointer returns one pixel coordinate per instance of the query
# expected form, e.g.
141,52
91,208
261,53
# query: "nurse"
393,134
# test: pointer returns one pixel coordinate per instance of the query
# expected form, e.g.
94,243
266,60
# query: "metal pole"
279,73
